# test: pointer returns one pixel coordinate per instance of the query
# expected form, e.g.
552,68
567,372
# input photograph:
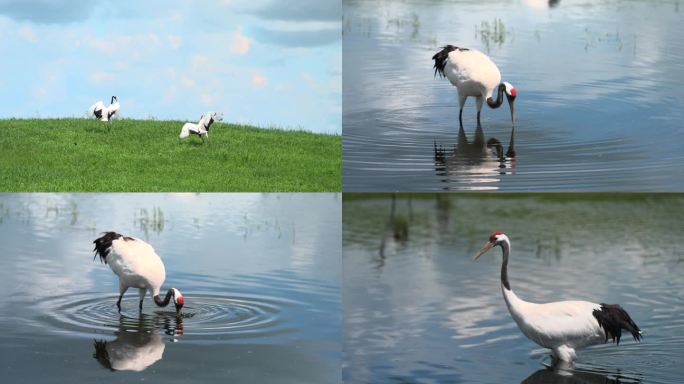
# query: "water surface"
417,309
598,84
259,272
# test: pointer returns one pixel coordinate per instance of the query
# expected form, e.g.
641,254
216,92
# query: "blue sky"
263,62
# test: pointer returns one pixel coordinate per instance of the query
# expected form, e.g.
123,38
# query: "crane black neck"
211,121
165,302
505,248
499,97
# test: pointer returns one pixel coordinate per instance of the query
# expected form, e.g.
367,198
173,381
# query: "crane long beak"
511,103
488,245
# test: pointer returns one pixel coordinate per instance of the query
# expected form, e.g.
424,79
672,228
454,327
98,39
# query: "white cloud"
200,62
101,77
40,93
121,65
259,80
187,82
241,43
207,99
175,41
26,33
153,38
170,72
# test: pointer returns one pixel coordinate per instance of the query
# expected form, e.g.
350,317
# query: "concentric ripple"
204,317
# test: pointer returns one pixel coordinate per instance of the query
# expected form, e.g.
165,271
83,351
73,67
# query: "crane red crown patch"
493,235
513,92
179,299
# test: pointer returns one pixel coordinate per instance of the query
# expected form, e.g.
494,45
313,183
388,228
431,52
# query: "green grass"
145,155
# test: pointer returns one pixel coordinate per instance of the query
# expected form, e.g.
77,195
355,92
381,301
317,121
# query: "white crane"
561,326
474,74
200,129
137,266
99,111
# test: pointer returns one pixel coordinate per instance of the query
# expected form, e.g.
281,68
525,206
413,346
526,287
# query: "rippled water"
259,273
598,84
417,308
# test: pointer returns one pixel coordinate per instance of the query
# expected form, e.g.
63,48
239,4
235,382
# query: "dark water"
417,309
597,108
260,274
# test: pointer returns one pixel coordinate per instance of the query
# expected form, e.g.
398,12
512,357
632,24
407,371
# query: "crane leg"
478,119
122,290
141,294
460,117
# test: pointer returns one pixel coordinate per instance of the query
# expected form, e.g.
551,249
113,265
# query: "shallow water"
417,308
598,84
259,272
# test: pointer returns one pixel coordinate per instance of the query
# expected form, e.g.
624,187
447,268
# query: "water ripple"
205,317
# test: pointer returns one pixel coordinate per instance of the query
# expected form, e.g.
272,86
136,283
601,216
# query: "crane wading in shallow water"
474,74
137,266
561,326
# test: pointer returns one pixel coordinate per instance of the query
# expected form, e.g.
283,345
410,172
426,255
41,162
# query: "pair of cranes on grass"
560,326
106,113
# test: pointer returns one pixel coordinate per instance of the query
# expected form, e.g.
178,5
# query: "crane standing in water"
474,74
137,265
561,326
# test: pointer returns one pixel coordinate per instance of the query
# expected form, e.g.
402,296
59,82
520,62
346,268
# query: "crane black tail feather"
441,58
613,319
103,244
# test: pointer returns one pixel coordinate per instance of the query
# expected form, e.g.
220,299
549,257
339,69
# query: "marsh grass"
144,155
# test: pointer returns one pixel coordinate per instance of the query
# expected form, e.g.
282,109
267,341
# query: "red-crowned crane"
474,74
138,266
99,111
200,129
561,326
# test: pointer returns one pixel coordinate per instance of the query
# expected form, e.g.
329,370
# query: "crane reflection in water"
478,162
139,343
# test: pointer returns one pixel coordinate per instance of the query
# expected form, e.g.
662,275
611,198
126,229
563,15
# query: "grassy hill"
145,155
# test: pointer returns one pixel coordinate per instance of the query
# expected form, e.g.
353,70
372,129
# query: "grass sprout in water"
150,220
492,33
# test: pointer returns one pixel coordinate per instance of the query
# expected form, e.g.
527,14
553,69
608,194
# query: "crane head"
217,116
511,94
495,238
177,300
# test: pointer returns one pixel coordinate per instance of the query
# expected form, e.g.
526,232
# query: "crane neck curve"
499,97
505,249
163,303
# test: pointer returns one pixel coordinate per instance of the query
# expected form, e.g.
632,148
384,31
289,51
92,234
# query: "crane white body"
137,265
473,73
103,113
200,129
561,326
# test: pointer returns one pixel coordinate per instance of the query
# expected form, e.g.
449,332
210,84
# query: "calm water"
417,309
597,108
260,274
